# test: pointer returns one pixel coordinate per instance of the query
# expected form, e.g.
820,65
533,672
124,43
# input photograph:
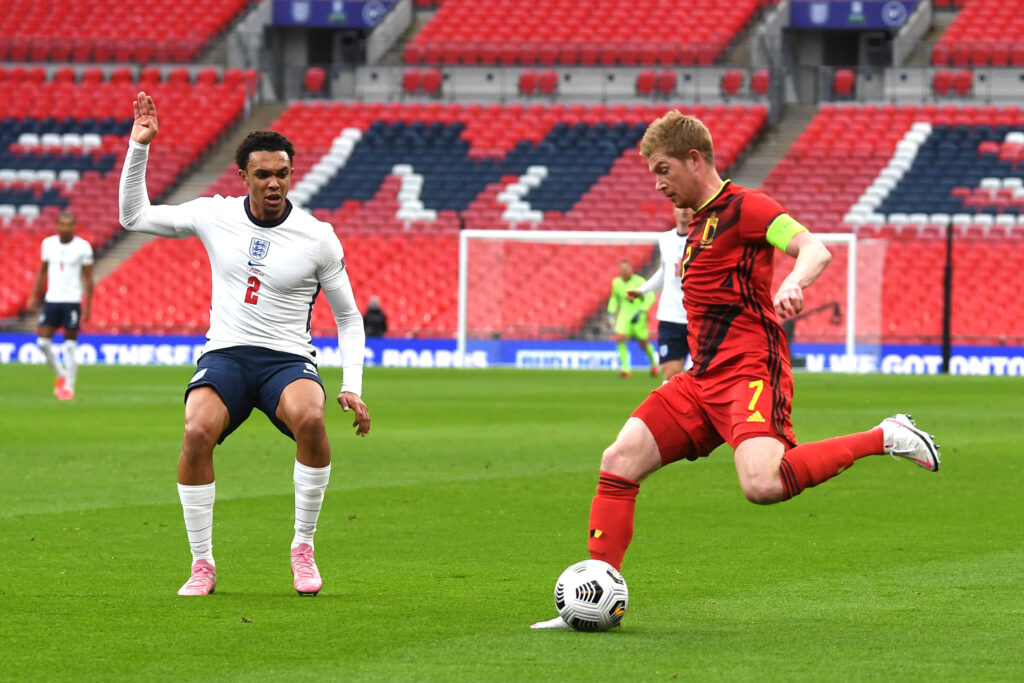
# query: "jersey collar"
269,224
713,197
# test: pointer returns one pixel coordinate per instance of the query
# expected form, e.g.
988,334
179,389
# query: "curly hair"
263,141
675,134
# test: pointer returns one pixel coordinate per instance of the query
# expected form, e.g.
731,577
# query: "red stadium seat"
843,81
666,82
732,81
963,81
411,80
645,82
314,80
760,80
547,81
528,82
431,81
942,81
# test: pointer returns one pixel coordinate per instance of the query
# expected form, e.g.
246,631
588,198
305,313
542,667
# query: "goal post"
470,285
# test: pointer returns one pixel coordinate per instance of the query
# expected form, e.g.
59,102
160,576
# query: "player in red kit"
740,388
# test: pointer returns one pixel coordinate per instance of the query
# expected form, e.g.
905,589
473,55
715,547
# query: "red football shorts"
690,417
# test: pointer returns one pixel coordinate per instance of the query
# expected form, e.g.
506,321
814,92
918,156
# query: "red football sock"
611,518
812,463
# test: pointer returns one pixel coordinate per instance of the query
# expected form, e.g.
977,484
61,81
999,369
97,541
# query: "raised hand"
145,126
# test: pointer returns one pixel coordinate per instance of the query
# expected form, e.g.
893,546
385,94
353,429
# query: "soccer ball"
591,596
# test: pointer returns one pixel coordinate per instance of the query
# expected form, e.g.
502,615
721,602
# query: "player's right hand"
349,401
145,126
633,295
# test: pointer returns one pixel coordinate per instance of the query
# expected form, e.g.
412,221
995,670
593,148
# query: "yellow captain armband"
782,231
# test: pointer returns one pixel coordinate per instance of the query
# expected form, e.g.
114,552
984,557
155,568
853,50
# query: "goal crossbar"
626,237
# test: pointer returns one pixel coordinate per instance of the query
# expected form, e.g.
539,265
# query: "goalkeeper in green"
630,317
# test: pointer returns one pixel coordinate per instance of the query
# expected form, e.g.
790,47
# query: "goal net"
547,286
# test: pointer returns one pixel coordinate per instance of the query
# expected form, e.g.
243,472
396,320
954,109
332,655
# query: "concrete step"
922,53
396,55
772,146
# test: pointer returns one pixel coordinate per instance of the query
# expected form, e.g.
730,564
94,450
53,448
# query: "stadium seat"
665,83
645,82
732,81
963,81
412,80
942,81
528,82
760,81
842,82
547,81
598,32
314,80
431,81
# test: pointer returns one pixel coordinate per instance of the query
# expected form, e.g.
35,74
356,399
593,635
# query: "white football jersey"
266,275
64,268
669,277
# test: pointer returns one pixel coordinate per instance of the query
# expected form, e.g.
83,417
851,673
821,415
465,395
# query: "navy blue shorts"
67,316
672,341
248,377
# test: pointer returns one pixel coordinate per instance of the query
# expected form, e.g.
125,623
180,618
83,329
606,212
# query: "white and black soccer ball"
591,596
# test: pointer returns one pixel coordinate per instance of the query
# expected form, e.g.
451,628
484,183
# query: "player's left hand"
789,300
86,311
349,401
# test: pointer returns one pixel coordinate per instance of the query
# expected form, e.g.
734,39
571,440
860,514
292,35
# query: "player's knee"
308,422
200,437
762,489
617,459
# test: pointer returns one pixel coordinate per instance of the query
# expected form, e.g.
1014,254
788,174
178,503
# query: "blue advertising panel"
876,15
550,354
331,13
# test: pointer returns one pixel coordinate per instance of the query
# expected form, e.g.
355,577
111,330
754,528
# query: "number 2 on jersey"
250,294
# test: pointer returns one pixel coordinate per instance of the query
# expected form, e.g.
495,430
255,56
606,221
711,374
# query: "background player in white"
67,266
673,347
269,260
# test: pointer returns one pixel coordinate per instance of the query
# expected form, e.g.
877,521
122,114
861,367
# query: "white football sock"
70,363
197,504
46,346
310,484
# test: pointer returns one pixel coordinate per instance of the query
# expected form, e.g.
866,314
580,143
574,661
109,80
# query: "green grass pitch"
443,532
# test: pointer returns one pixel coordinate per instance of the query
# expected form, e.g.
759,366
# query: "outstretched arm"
811,259
136,212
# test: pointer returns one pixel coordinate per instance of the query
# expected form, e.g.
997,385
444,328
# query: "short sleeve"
87,254
757,213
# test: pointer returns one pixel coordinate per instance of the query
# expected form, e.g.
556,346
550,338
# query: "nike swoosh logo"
253,264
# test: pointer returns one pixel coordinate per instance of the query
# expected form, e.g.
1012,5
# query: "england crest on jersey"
258,248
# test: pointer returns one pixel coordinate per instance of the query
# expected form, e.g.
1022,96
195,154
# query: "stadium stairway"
922,53
772,146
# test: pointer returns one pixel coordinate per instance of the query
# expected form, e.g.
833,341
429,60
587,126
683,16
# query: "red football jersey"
727,278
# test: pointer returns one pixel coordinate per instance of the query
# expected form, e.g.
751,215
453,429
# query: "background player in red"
740,388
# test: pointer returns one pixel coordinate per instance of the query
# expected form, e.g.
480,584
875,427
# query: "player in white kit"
269,260
67,267
673,344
